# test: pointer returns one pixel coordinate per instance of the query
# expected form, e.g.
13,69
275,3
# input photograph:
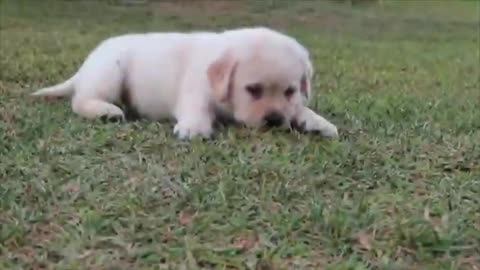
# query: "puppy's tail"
63,89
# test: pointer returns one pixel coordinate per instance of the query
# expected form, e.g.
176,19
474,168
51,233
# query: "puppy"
255,76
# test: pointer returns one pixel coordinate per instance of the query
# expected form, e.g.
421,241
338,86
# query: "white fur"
166,74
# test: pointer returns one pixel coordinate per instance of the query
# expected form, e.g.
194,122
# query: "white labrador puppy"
255,76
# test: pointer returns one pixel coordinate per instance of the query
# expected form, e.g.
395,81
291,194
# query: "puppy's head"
263,81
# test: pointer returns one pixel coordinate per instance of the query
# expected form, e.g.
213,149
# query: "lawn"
400,188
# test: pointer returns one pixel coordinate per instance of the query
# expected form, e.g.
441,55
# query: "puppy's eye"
255,90
289,92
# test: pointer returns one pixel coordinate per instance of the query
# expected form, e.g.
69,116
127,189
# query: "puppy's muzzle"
274,119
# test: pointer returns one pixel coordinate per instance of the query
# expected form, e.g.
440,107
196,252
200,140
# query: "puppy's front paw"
116,118
189,130
312,122
326,130
329,131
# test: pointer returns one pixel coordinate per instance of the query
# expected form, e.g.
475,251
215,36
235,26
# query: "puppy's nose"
274,119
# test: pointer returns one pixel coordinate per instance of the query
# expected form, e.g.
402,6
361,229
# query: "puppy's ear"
306,81
220,75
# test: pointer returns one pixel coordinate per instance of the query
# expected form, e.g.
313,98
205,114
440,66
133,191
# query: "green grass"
399,190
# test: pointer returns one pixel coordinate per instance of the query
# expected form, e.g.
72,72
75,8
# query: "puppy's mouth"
284,125
274,119
266,123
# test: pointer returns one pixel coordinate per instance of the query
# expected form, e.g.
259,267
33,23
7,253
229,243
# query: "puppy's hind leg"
91,108
98,87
